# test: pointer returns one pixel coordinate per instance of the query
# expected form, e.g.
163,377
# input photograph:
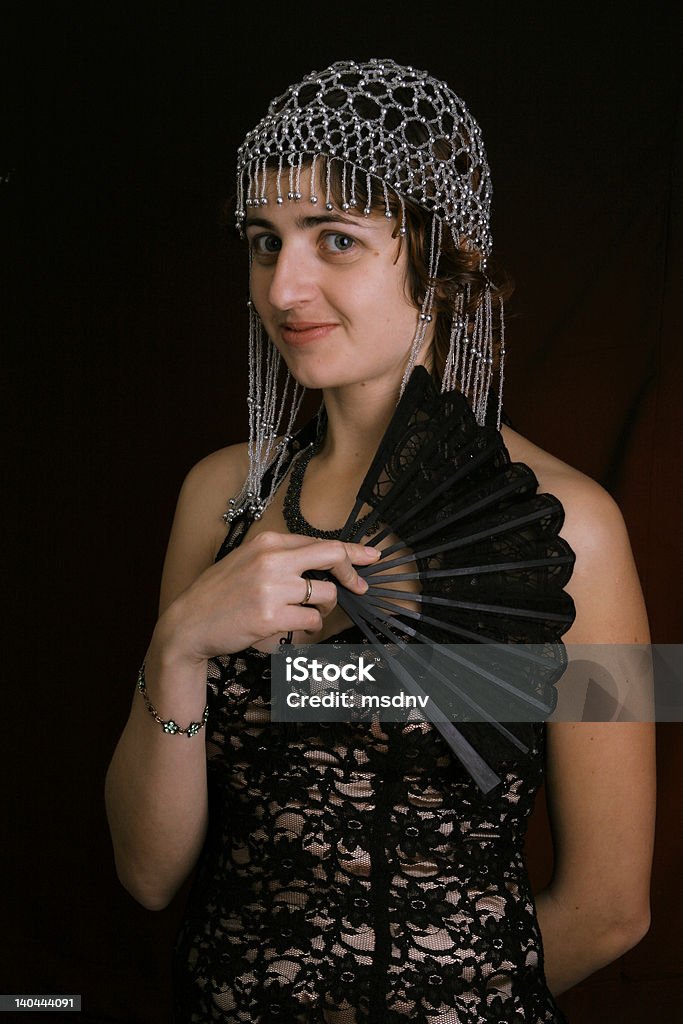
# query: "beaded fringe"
469,364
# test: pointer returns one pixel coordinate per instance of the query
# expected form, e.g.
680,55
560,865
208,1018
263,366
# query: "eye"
265,245
337,242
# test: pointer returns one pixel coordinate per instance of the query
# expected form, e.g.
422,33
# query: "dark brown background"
129,365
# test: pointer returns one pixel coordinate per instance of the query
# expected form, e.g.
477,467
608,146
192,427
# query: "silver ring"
309,591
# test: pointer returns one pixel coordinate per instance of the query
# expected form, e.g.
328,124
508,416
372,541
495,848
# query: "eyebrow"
305,223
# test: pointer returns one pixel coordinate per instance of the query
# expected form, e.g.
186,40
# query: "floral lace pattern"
356,873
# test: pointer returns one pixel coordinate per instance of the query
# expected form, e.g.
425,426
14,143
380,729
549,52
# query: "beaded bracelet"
170,726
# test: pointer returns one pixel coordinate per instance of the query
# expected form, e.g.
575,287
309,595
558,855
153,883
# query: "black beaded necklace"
291,506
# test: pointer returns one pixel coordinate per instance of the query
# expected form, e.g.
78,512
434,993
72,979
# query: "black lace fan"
470,555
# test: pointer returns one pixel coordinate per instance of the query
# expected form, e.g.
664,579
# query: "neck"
357,417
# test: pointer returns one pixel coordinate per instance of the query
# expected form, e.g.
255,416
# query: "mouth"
303,333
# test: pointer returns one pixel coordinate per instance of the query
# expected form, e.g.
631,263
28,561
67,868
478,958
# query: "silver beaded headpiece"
396,132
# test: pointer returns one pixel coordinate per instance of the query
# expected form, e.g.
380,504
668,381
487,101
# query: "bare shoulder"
198,526
604,584
590,512
215,479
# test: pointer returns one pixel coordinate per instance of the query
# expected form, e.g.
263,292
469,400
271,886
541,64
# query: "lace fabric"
355,872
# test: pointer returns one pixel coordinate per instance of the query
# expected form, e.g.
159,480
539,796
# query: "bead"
314,199
296,129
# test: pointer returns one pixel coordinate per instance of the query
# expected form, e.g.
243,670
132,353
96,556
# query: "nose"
293,282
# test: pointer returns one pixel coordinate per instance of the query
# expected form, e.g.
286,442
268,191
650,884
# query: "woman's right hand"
255,593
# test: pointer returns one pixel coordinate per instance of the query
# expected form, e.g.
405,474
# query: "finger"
323,596
325,553
271,539
345,567
300,618
308,583
337,557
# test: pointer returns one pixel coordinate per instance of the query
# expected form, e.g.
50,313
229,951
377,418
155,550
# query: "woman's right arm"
155,791
156,784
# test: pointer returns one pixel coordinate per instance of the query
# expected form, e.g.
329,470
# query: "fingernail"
364,584
372,551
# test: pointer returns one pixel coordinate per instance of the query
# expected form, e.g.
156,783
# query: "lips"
304,332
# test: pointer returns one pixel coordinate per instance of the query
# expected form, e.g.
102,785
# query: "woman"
356,872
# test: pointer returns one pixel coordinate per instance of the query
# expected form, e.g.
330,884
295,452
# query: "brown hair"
459,271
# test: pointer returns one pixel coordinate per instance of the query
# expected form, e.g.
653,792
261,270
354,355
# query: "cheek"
387,283
398,280
399,300
258,291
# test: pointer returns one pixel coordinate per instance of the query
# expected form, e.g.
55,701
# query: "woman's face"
330,290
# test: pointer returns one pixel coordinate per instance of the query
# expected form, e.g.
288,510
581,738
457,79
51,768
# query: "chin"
319,373
321,379
333,369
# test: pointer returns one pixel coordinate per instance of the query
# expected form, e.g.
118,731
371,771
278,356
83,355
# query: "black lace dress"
355,872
